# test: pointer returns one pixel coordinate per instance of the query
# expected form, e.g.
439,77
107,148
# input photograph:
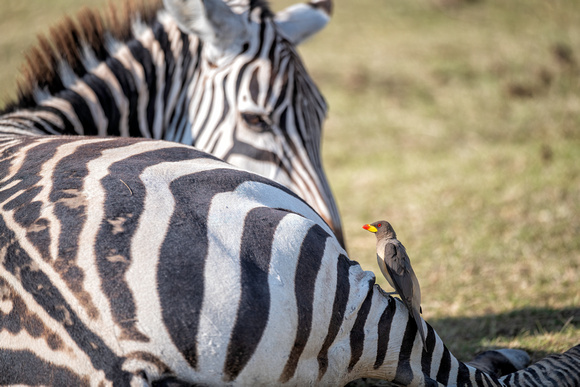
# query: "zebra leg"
500,362
562,370
497,363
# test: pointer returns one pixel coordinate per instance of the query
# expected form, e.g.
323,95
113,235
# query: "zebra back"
240,93
137,261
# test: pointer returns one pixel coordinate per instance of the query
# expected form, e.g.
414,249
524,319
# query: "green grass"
458,121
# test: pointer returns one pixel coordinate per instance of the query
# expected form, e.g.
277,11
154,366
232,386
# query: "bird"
396,267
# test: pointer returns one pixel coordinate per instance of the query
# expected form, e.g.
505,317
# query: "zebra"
175,73
141,262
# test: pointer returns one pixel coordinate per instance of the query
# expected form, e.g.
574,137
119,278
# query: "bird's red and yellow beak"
370,228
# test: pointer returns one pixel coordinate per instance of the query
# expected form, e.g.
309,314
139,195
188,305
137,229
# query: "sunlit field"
459,122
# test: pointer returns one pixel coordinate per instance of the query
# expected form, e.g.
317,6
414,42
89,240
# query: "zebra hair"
141,262
64,44
241,94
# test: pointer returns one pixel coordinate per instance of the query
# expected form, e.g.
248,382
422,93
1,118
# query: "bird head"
382,229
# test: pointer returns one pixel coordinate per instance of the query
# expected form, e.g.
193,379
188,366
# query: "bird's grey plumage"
396,267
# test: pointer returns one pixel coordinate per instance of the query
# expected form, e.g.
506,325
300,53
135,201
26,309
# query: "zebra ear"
211,20
299,22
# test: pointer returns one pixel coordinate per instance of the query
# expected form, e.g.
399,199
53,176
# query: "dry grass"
458,121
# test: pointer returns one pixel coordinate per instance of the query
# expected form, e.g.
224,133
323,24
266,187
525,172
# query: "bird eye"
379,225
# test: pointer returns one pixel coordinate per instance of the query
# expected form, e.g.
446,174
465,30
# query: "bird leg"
387,293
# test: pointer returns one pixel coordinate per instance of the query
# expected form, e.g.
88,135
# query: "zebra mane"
64,43
264,5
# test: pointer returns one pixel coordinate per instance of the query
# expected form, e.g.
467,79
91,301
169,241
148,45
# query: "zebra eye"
256,122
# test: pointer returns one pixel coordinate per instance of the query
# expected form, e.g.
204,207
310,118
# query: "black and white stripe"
240,93
138,261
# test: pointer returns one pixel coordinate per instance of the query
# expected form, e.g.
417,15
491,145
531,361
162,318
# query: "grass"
461,125
459,122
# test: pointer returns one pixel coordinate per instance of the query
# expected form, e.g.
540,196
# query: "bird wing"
405,281
384,270
398,265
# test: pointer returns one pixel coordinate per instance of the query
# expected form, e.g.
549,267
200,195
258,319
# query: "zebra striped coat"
141,262
240,93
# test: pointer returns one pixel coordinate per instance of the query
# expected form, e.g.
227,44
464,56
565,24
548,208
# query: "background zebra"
240,93
131,261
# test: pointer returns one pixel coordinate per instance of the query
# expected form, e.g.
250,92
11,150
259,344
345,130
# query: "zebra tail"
500,362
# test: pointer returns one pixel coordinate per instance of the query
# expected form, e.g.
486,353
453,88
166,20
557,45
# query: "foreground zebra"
240,93
127,261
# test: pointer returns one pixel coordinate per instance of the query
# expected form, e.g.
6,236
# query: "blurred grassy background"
459,122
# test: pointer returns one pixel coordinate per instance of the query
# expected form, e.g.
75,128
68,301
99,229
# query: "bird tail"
419,322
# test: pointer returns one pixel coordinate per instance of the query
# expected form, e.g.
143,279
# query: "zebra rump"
141,262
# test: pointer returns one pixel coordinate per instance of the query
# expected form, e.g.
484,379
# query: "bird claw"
387,293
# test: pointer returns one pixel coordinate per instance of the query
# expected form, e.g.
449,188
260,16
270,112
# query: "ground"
459,122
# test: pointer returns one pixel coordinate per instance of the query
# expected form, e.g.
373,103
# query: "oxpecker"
396,267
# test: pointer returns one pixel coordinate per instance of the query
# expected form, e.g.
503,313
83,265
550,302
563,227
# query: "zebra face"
261,110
